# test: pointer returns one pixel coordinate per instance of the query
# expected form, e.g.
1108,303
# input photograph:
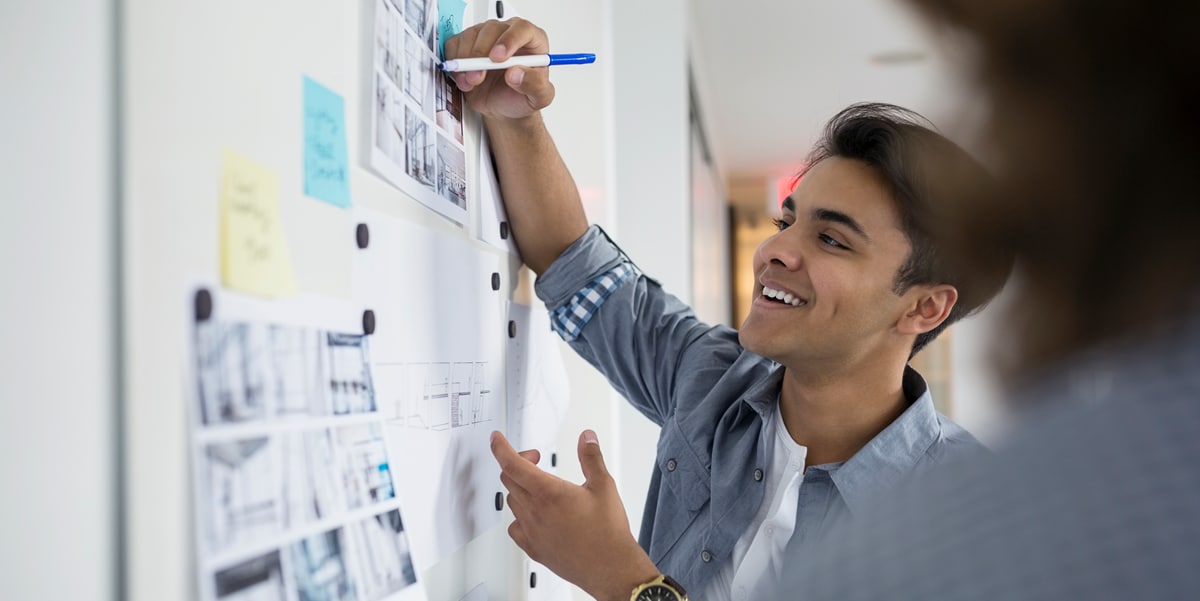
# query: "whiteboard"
203,78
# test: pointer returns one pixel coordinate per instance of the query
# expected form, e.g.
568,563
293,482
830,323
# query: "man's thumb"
590,457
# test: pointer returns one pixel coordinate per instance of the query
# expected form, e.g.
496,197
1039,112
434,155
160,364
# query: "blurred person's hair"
1095,111
928,175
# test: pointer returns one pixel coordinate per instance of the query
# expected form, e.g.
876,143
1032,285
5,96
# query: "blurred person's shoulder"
1094,495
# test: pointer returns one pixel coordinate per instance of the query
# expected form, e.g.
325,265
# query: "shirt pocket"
684,474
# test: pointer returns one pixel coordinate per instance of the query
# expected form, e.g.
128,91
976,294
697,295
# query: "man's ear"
931,307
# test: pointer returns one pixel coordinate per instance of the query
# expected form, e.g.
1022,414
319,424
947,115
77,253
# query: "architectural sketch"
452,177
419,78
431,166
366,476
312,487
439,376
382,555
232,362
242,503
536,380
389,121
287,438
421,16
256,579
252,372
294,370
419,150
349,374
319,569
449,108
439,396
389,37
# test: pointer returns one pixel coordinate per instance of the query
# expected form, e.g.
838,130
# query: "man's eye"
781,224
829,240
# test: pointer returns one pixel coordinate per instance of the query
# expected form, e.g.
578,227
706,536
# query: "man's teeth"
782,296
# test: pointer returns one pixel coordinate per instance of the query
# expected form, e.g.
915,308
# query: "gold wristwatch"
662,588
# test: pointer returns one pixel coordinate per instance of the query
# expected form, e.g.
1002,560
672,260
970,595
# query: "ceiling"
771,72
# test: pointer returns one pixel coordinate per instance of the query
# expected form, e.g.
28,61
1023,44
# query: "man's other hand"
580,532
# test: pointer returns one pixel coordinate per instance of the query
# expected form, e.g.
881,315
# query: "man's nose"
782,251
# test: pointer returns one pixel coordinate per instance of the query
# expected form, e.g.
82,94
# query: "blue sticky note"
326,166
450,22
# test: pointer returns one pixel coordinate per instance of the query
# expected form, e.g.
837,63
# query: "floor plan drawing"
438,368
440,396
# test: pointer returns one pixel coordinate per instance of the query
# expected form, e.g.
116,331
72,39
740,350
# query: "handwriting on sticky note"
254,254
326,166
450,22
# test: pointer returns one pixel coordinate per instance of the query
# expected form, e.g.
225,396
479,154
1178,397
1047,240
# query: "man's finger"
533,83
460,45
517,506
517,533
511,486
591,459
488,33
525,474
533,456
521,37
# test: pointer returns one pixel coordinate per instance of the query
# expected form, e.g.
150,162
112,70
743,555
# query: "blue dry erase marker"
530,60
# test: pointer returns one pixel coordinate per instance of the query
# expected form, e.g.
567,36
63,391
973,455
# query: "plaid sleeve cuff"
569,318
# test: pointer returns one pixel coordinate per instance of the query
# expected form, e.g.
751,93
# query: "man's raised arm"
544,210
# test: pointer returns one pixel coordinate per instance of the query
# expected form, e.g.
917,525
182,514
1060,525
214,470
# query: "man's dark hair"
928,175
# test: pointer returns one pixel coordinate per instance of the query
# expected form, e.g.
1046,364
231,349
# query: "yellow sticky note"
254,254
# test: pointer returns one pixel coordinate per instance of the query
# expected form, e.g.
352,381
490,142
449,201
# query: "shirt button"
671,465
758,475
705,556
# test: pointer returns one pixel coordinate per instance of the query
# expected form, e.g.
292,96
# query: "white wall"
202,77
711,228
57,256
650,112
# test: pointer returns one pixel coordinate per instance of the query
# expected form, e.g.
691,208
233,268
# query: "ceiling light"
895,58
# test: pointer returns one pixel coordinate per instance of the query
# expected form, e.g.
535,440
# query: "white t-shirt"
758,554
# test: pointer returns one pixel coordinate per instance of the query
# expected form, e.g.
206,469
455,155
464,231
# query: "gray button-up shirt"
711,398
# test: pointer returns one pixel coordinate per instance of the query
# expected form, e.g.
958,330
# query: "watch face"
657,593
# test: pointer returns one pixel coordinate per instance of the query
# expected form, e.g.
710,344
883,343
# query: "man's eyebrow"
839,217
788,204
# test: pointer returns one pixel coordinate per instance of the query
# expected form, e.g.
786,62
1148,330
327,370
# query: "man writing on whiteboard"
773,432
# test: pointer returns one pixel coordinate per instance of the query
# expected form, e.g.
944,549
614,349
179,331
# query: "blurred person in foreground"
1096,495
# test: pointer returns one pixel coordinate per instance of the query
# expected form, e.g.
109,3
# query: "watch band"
662,583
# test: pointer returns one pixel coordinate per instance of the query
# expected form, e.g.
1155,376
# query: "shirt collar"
893,453
763,395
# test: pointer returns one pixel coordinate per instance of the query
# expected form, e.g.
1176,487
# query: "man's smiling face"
824,290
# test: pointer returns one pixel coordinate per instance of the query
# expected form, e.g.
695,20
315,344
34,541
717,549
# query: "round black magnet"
203,304
362,235
368,322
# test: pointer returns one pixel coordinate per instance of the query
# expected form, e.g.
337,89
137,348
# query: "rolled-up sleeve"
620,321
